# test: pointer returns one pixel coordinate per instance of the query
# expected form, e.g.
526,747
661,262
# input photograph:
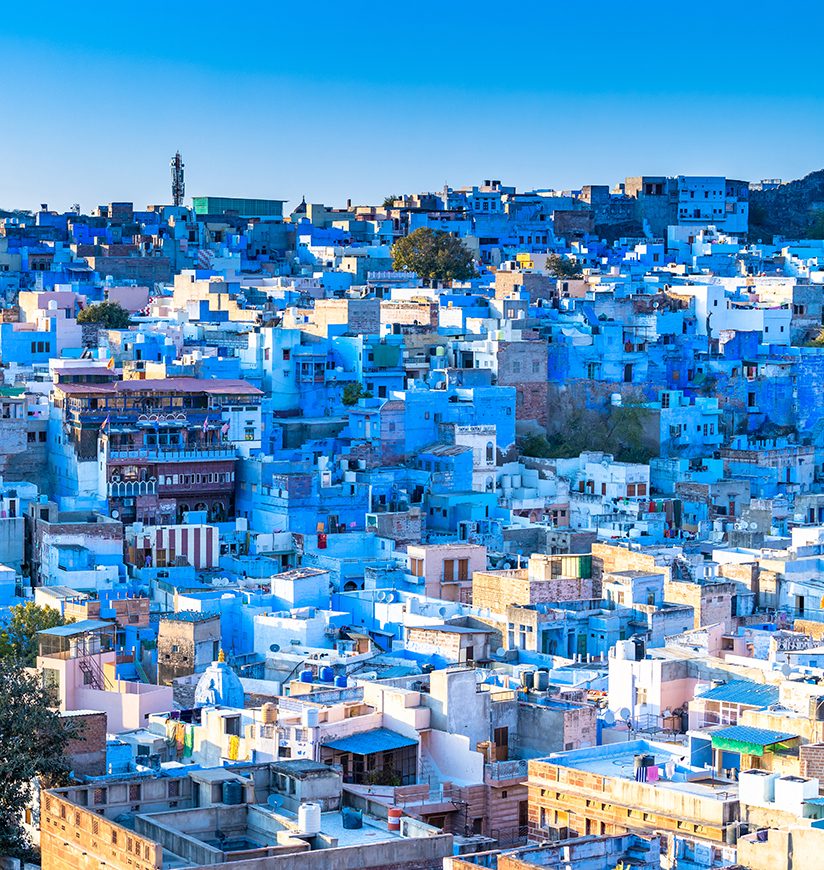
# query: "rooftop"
617,761
368,742
742,692
73,628
164,385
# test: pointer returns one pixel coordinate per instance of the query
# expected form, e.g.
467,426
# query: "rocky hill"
795,210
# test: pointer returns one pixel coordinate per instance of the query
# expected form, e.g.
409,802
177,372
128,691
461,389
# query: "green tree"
18,640
33,742
434,255
110,315
389,201
816,227
354,391
562,267
536,444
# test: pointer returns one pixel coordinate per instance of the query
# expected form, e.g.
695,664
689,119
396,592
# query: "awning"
748,740
369,742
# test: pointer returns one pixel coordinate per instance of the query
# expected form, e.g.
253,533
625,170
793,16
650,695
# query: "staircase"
141,671
430,774
91,669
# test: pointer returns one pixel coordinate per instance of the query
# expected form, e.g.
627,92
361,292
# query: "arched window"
490,452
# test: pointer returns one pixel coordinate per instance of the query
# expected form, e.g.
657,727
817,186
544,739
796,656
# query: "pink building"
446,569
78,663
133,299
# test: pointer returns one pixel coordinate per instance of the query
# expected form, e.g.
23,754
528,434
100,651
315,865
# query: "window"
287,354
99,796
134,791
232,726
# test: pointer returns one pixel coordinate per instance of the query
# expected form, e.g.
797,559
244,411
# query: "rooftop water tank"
268,713
310,717
542,680
309,818
340,681
326,674
232,792
306,676
351,818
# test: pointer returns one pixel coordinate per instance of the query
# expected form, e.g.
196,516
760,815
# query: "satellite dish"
441,611
609,718
786,669
115,514
500,651
624,713
275,647
753,527
381,596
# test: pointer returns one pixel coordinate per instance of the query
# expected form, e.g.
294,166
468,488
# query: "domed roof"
219,685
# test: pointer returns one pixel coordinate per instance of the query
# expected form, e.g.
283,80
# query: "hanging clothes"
188,741
234,747
180,734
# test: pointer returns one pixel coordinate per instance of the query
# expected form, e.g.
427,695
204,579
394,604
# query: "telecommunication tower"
178,186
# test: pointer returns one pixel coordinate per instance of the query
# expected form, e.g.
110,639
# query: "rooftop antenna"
178,185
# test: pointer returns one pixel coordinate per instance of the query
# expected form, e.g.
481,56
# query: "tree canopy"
434,255
354,391
18,640
33,742
562,267
111,315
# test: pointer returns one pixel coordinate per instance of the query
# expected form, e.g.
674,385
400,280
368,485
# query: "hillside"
794,210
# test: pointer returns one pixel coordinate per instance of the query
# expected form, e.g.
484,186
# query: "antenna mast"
178,185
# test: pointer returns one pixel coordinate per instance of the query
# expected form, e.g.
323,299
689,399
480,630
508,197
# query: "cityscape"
471,528
411,437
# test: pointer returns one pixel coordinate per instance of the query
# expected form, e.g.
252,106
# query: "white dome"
219,685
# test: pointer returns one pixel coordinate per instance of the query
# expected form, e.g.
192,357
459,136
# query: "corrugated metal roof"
378,740
74,628
748,734
742,692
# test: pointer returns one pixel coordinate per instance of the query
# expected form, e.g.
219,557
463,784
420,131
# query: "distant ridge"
794,210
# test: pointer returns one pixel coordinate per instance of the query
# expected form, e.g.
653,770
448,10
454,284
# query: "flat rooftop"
617,761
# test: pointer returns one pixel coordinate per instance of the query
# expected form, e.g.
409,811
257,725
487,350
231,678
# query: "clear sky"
335,100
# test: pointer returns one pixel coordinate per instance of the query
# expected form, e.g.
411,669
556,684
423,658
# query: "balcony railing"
502,770
174,454
129,488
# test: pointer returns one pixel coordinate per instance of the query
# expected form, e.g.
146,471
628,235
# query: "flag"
110,363
205,425
224,429
105,423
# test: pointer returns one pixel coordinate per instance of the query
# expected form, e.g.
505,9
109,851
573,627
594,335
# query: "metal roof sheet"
368,742
748,734
742,692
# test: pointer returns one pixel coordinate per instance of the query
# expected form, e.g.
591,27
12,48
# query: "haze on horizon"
334,104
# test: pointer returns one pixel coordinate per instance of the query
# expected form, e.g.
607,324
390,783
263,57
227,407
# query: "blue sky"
333,100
